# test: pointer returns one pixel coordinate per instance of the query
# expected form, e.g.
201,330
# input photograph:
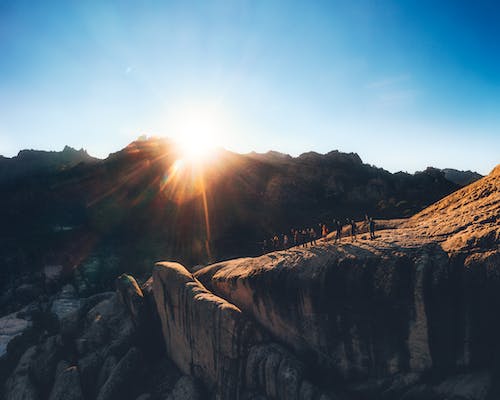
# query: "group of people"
308,235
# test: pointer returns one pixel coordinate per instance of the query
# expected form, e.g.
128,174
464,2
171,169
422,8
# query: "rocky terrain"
121,214
461,178
411,314
38,162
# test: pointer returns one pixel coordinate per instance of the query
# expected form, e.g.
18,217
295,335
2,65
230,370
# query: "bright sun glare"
198,131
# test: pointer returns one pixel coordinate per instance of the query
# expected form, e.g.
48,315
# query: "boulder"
66,308
52,275
331,303
105,371
125,379
185,389
43,365
212,341
88,368
27,292
107,326
131,296
207,337
11,326
19,385
67,385
275,372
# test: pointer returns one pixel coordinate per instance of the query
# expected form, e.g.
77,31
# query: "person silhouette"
353,230
371,226
338,228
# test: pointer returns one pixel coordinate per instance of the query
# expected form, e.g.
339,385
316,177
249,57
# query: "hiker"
312,236
285,242
371,226
324,231
353,230
295,237
338,227
303,237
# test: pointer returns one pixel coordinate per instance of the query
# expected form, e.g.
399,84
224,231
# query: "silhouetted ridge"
37,162
135,193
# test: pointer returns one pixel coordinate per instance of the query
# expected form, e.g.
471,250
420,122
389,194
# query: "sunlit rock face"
205,336
211,340
420,297
356,311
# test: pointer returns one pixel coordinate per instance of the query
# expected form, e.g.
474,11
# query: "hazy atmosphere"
404,84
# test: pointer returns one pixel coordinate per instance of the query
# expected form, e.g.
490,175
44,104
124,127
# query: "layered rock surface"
211,340
422,297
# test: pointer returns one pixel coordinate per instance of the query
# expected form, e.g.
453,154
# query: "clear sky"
405,84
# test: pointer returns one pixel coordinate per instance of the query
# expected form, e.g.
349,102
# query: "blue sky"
405,84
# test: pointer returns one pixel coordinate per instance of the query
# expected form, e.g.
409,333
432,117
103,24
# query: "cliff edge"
419,299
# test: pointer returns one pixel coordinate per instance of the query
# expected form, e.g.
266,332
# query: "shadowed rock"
125,377
67,385
205,336
20,386
421,297
185,389
211,340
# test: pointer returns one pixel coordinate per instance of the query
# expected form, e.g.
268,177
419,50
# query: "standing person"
353,230
295,237
285,242
312,235
338,228
371,226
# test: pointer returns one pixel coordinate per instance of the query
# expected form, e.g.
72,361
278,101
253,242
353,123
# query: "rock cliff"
214,342
419,298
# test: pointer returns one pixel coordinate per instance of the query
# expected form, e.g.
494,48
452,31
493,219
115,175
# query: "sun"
196,147
198,132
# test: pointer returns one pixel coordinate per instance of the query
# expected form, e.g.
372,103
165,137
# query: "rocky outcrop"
461,178
101,347
124,379
11,326
211,340
207,337
356,311
186,389
20,386
67,385
420,298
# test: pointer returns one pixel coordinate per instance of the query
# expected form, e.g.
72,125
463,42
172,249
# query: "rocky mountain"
461,178
411,314
37,162
144,203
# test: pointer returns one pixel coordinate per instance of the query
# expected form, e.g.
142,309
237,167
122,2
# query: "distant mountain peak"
461,178
29,161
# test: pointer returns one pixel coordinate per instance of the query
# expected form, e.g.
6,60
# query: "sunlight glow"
199,130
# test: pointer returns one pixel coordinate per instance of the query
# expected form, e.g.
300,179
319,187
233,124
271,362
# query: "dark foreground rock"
98,351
